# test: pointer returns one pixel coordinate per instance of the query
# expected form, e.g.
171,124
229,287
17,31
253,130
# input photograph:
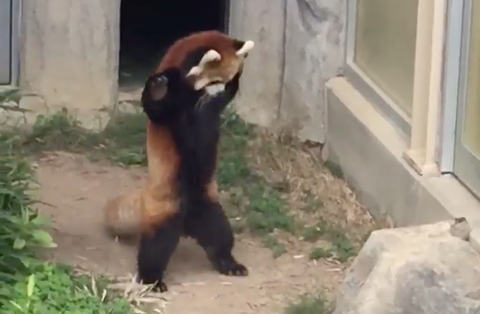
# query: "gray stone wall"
69,57
299,45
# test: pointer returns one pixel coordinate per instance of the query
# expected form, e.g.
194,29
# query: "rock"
461,229
416,270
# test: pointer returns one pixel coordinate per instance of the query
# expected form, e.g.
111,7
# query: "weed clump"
310,304
30,285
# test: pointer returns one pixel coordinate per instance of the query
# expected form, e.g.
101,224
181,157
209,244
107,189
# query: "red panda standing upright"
196,79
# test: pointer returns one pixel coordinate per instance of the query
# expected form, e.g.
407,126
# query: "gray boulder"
428,269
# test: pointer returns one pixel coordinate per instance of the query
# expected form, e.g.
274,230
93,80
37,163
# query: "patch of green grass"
342,248
58,132
52,289
22,229
312,234
29,285
277,248
310,304
122,141
10,95
320,253
259,204
125,138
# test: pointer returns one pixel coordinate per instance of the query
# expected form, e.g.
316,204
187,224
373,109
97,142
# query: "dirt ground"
73,191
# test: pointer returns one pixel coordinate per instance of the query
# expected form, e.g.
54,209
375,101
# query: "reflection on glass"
471,131
385,46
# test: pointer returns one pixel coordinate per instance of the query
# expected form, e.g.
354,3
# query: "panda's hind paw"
232,268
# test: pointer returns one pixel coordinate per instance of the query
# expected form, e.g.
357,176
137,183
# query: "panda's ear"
238,44
157,87
243,47
209,56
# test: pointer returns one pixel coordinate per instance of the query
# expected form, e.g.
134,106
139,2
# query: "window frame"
363,83
420,131
432,132
466,165
454,43
16,12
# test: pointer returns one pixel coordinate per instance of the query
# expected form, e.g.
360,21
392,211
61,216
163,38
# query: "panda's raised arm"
155,101
160,95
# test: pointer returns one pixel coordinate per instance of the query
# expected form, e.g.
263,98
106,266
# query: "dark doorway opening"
148,27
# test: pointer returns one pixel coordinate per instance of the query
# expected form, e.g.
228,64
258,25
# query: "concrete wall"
69,57
300,45
369,150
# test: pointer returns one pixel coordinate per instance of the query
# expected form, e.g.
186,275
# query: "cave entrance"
148,27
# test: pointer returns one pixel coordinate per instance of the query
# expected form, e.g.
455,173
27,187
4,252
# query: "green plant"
30,286
52,289
319,253
22,229
342,248
122,141
277,248
258,204
310,304
10,94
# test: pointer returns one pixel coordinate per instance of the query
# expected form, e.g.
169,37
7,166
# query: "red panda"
183,99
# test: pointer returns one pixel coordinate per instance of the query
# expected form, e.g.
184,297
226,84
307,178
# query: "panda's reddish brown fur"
158,137
159,140
228,65
180,195
123,215
160,200
126,216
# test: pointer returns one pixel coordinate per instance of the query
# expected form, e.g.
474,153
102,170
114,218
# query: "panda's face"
217,68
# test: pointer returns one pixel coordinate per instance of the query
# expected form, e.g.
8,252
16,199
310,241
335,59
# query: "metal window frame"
15,16
466,165
451,87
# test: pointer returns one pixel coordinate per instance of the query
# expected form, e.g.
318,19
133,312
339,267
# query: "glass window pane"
385,46
471,132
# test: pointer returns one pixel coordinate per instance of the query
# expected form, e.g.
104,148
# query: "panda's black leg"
155,251
210,227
